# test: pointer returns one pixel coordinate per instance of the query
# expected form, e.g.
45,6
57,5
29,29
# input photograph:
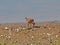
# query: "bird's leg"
31,25
28,25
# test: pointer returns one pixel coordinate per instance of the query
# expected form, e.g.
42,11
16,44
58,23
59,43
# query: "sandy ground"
47,34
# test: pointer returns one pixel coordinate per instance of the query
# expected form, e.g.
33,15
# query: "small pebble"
48,34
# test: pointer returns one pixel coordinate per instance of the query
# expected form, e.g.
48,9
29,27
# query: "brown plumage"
30,21
33,23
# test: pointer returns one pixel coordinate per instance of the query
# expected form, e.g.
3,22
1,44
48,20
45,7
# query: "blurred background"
12,11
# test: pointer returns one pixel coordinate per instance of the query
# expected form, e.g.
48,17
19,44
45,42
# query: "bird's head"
25,17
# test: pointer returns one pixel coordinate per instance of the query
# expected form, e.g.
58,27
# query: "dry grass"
47,34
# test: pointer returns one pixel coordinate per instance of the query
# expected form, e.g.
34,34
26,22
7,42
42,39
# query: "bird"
30,21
